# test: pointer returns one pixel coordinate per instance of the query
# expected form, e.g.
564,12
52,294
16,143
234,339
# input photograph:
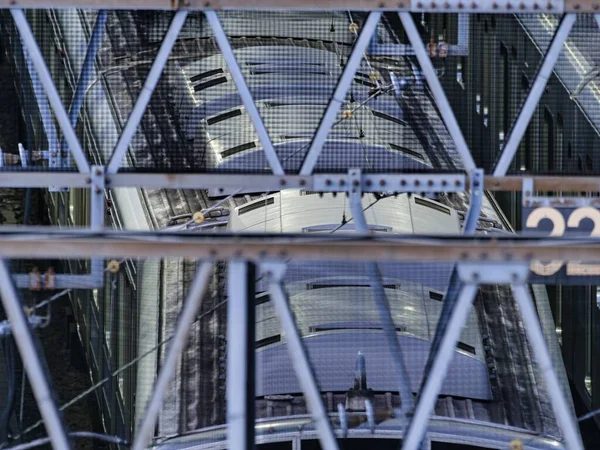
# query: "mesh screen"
112,340
388,120
105,346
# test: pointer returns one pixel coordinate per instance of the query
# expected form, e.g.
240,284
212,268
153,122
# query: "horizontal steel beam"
447,6
61,281
32,243
223,184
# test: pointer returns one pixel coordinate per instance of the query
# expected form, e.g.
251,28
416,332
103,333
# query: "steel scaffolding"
481,260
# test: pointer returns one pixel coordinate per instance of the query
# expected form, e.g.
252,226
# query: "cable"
76,434
108,378
347,221
588,415
376,94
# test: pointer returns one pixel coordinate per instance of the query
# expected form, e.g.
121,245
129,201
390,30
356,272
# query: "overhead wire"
108,377
75,434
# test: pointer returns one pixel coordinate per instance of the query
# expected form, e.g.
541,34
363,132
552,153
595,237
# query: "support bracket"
493,273
475,203
530,200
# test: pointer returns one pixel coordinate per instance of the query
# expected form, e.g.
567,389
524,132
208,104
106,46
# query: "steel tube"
145,95
437,91
562,410
188,314
302,366
38,379
87,70
240,338
433,384
244,92
339,95
41,68
383,306
31,243
450,6
45,112
520,126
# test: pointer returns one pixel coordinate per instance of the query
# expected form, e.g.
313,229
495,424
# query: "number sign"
584,221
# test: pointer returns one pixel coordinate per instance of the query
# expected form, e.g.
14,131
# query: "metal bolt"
444,183
282,182
430,183
402,182
508,6
328,182
494,5
368,182
417,182
302,182
97,190
457,183
381,182
355,183
514,276
342,182
98,172
88,180
460,5
475,276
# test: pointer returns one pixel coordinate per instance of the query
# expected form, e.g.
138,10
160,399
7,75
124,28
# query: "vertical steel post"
188,314
38,380
563,412
475,202
97,214
240,355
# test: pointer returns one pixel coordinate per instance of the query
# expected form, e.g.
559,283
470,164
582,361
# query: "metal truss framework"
501,261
